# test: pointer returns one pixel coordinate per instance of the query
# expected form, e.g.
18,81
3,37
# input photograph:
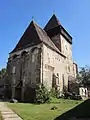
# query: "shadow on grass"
80,112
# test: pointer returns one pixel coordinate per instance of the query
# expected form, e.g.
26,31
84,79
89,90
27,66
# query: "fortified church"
42,56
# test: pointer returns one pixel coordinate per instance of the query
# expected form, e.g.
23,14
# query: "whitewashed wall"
83,92
66,48
53,63
57,64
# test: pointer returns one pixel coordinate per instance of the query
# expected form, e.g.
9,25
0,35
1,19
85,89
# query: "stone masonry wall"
24,69
54,63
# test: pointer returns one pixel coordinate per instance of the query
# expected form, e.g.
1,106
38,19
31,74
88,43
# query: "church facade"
42,56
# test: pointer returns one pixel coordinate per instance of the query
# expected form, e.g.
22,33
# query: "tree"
83,76
2,72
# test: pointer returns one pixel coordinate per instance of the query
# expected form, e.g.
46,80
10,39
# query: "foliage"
71,94
2,72
83,76
54,93
73,86
42,95
66,93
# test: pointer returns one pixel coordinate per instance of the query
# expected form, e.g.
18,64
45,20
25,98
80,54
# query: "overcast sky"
74,15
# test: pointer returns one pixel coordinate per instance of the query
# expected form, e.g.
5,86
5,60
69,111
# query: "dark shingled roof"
34,35
52,23
54,27
30,37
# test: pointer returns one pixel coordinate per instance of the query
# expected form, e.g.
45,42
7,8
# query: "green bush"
55,93
42,95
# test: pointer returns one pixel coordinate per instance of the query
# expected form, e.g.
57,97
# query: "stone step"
8,114
12,119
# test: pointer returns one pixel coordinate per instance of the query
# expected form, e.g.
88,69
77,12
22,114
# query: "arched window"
34,49
85,92
82,91
24,53
57,74
58,78
63,81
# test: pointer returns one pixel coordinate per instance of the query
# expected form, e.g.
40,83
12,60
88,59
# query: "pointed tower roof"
52,23
32,36
53,27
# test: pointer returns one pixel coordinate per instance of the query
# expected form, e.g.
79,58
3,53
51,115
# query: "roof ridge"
35,34
36,25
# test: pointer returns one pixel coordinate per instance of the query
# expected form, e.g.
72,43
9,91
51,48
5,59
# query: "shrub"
71,95
42,95
55,93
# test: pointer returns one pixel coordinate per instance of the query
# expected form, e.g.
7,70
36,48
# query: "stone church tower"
42,56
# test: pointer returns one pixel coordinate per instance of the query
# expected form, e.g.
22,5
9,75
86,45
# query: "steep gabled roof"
45,39
34,35
30,37
52,23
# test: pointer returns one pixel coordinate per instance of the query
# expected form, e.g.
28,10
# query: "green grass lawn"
1,117
43,111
